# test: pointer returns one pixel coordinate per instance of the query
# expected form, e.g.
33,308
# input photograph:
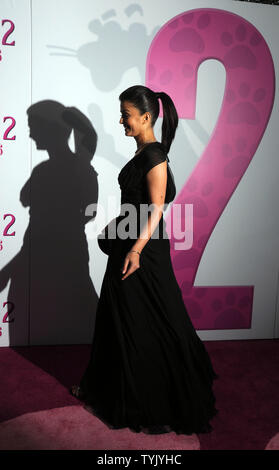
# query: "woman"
148,370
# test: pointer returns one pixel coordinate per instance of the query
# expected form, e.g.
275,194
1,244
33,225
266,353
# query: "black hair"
146,100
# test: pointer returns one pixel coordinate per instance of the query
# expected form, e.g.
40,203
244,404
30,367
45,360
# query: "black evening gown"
148,371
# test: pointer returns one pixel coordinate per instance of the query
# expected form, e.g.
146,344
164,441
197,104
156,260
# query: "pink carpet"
35,385
273,443
74,428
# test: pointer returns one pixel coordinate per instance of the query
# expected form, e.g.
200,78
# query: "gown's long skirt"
148,370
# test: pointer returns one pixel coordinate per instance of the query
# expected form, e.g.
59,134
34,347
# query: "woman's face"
131,119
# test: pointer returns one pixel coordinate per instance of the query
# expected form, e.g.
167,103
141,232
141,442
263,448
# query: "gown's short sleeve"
151,157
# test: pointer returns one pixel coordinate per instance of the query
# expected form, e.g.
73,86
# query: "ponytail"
170,119
146,100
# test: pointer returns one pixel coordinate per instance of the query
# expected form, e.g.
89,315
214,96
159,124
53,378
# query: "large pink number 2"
175,54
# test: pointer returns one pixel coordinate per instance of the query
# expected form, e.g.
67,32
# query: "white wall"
101,49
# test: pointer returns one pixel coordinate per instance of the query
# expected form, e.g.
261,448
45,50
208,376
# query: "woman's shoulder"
154,151
154,147
153,154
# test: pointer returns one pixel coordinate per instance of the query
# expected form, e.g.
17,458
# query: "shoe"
76,391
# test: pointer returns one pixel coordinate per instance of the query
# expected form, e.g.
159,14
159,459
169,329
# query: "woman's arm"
156,179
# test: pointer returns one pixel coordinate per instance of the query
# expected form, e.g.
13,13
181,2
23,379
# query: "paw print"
245,111
240,55
229,314
189,39
193,305
237,161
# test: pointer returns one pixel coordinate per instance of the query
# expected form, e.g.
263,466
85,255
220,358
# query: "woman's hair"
147,100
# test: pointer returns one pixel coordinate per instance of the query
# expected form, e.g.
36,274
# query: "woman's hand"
131,260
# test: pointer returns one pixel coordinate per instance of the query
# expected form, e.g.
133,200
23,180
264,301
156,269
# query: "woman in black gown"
148,369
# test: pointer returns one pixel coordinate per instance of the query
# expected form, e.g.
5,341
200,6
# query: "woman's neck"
143,145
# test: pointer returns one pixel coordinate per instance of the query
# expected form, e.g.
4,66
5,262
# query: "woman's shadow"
51,293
